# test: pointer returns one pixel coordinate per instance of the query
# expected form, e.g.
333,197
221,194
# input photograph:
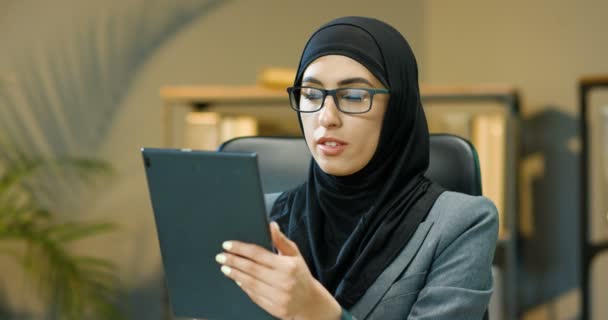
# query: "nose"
329,115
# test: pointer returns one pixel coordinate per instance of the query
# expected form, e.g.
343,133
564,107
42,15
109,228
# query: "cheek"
369,137
309,128
369,134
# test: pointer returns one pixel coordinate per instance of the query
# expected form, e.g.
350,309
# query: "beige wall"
542,47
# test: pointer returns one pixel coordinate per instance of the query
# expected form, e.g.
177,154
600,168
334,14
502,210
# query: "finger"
251,251
262,273
285,246
250,283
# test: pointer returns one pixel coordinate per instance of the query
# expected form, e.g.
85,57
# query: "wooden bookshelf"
213,94
592,209
220,94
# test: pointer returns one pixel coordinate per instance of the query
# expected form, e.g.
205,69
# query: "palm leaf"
75,286
69,232
70,93
80,285
17,172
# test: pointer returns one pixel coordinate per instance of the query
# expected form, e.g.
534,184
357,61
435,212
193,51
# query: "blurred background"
85,84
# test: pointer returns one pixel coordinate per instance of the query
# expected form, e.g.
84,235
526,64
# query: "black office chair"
284,162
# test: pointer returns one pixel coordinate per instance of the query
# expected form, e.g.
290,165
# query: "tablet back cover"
201,199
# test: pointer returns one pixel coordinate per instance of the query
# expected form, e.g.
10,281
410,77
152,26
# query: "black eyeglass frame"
332,93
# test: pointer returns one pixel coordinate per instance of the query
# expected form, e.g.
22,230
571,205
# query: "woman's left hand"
280,283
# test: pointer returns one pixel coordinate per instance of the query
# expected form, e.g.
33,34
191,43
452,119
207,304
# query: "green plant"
73,286
62,93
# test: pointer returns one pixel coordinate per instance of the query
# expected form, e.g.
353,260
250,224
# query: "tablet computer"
201,199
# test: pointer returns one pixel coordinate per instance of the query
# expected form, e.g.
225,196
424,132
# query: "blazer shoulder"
456,213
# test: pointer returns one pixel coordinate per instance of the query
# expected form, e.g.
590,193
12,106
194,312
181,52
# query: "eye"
311,94
354,95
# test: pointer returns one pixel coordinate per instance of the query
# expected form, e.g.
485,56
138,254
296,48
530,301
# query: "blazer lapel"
377,290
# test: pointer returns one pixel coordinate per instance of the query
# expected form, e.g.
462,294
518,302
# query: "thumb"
285,246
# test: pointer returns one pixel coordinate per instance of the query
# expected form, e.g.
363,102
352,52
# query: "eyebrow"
341,82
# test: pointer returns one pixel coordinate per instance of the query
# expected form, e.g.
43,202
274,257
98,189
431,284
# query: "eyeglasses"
347,100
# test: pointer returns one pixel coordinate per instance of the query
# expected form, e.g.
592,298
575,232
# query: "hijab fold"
350,228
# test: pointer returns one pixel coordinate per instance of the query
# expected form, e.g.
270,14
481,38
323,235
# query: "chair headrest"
284,161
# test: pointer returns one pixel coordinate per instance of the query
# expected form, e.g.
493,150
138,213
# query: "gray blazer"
445,271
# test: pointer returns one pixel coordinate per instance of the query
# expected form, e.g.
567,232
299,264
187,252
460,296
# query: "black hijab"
350,228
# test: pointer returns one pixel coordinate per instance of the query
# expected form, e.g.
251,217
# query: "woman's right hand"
280,283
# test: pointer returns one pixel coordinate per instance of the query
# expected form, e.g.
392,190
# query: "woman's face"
341,143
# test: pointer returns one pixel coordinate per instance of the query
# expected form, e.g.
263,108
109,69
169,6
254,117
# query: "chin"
335,169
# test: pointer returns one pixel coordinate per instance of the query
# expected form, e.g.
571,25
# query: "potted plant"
71,285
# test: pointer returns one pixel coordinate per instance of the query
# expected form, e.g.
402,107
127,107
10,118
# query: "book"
488,135
202,131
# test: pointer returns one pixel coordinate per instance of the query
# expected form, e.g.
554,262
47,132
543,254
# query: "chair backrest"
284,162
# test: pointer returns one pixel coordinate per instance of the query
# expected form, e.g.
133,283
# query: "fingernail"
227,245
220,258
238,283
226,270
275,225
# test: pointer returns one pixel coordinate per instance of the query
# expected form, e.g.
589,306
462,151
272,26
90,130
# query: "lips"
330,146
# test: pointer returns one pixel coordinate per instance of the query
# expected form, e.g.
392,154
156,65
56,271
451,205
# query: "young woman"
366,210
